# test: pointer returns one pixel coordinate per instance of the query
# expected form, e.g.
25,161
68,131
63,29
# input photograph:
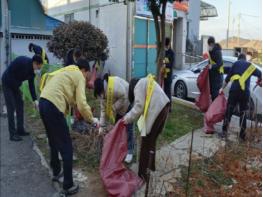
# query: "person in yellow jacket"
114,104
151,106
62,91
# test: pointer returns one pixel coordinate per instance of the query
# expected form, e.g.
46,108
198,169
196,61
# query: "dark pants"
14,102
237,98
59,140
149,144
130,135
167,87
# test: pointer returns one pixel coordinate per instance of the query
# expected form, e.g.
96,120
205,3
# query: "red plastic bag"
117,179
203,100
217,110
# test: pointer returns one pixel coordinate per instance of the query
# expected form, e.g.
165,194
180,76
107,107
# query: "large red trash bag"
217,110
203,100
117,179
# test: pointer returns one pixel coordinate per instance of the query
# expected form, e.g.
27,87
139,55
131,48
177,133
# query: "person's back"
238,68
59,88
19,70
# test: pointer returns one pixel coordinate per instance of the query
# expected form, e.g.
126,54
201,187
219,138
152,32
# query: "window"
69,18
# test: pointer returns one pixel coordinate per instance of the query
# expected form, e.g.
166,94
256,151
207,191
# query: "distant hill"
243,43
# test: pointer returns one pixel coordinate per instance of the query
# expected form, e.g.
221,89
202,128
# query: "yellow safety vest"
242,79
109,100
47,76
43,54
150,88
165,71
221,69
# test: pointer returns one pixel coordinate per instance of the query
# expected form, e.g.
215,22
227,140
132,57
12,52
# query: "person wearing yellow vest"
38,51
114,104
240,75
216,71
150,108
62,91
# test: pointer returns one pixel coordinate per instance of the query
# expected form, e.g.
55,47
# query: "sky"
250,27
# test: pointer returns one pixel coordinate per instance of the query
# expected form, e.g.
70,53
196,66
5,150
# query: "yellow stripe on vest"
43,54
109,101
47,76
150,88
242,79
221,69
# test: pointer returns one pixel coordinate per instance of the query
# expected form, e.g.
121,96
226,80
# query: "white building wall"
180,33
111,19
194,20
113,22
20,47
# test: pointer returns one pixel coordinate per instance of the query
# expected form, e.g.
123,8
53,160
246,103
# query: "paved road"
22,174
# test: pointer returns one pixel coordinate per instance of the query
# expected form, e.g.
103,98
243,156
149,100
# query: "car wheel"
180,90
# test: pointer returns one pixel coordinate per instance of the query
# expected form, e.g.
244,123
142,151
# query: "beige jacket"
120,99
157,103
68,89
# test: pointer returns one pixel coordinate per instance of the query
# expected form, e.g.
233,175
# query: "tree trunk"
161,53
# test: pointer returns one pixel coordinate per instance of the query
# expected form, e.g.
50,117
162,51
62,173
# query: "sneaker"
128,158
209,132
15,138
58,177
72,190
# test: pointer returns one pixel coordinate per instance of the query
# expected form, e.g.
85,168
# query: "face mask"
248,57
37,71
210,48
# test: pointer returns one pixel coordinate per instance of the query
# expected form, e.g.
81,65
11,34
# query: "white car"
184,84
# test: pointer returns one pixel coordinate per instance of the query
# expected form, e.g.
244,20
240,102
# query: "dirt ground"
86,161
235,170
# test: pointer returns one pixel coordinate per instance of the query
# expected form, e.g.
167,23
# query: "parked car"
184,83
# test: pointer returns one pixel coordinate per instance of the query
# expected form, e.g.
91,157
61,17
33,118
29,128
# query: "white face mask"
248,57
210,48
37,71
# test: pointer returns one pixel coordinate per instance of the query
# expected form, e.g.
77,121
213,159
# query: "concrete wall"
179,39
194,20
111,19
20,47
3,58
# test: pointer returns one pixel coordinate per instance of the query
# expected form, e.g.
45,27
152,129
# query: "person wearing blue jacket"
21,69
240,75
38,50
168,70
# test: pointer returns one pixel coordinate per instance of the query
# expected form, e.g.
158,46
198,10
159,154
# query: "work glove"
36,104
95,122
124,121
221,91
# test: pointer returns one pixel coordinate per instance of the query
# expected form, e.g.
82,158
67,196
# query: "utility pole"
129,33
228,21
238,30
89,12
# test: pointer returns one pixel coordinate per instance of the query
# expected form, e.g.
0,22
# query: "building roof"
28,16
207,10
